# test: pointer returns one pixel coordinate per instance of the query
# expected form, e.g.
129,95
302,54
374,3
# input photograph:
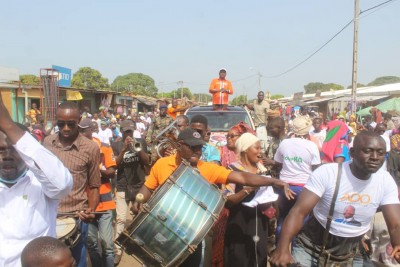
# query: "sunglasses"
231,136
70,124
208,134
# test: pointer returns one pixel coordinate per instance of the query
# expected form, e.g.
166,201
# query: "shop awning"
362,98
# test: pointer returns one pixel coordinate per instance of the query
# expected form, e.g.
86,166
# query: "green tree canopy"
384,80
176,94
239,100
29,79
358,85
277,96
313,87
203,98
89,78
136,83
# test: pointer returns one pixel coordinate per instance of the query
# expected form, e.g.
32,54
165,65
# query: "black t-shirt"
131,170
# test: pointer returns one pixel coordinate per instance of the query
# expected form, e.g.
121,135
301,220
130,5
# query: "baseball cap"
191,137
85,123
163,106
222,70
127,125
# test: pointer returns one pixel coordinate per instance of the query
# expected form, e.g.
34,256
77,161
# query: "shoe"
117,259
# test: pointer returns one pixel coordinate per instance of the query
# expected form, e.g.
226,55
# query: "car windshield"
223,121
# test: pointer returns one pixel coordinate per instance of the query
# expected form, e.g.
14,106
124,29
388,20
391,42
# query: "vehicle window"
223,121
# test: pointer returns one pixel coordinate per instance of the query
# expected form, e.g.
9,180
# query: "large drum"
67,230
175,220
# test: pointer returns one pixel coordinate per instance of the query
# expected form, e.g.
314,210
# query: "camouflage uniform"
157,125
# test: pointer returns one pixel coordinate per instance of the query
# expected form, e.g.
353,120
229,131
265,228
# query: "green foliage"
358,85
202,98
384,80
29,79
89,78
177,94
239,100
277,96
136,83
317,86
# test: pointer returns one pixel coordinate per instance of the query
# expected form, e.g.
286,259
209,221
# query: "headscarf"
242,128
301,125
336,136
244,142
228,156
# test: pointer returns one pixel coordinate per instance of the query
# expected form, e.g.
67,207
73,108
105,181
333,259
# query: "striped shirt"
82,159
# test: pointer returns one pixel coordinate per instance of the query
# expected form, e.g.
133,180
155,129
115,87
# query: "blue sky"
190,41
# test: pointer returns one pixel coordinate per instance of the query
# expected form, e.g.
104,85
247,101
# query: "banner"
64,76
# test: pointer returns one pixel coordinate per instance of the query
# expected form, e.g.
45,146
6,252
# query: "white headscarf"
244,142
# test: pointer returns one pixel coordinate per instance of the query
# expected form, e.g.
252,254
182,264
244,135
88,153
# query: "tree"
239,100
358,85
277,96
202,98
136,83
176,94
317,86
384,80
89,78
29,79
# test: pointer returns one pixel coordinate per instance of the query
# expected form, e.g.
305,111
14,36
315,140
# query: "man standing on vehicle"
261,108
220,88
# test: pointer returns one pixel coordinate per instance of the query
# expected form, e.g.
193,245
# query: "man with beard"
82,157
32,182
365,185
131,172
190,144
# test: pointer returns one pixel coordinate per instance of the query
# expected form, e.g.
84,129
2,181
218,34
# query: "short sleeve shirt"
164,167
357,200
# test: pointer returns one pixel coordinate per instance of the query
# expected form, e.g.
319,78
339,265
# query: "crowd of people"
301,188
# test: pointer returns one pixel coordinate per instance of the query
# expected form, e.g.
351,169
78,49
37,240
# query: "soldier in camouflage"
157,125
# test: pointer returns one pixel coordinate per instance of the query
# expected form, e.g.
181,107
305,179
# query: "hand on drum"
86,215
136,207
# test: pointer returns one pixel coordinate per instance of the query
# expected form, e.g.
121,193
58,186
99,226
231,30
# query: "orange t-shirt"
172,113
220,98
164,167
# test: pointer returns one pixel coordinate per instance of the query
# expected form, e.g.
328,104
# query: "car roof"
211,108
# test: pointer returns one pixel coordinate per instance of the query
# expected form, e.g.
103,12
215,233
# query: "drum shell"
177,217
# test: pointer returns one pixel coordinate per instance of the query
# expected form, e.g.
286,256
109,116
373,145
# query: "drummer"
32,181
190,145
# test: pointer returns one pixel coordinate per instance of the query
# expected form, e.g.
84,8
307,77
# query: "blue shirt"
210,153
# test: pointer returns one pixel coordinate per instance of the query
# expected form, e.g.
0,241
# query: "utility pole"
355,59
259,81
181,83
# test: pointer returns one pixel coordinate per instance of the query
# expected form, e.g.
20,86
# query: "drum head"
65,226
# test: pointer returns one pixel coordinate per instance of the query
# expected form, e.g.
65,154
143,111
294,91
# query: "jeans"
101,227
80,250
285,206
301,256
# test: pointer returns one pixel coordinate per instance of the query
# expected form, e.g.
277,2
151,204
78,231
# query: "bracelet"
247,192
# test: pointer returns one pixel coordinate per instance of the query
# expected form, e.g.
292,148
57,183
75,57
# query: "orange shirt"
164,167
220,98
172,113
107,160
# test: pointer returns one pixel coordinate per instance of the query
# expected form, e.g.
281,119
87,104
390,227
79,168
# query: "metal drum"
176,219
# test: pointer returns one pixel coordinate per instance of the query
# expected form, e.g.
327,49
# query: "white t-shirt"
105,135
363,197
387,141
140,127
319,137
297,156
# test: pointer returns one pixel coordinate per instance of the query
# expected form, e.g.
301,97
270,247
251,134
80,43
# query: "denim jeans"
303,258
285,206
101,229
80,250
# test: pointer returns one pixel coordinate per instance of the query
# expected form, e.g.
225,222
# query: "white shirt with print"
365,196
297,156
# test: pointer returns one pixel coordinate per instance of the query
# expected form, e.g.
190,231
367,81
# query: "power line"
327,42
